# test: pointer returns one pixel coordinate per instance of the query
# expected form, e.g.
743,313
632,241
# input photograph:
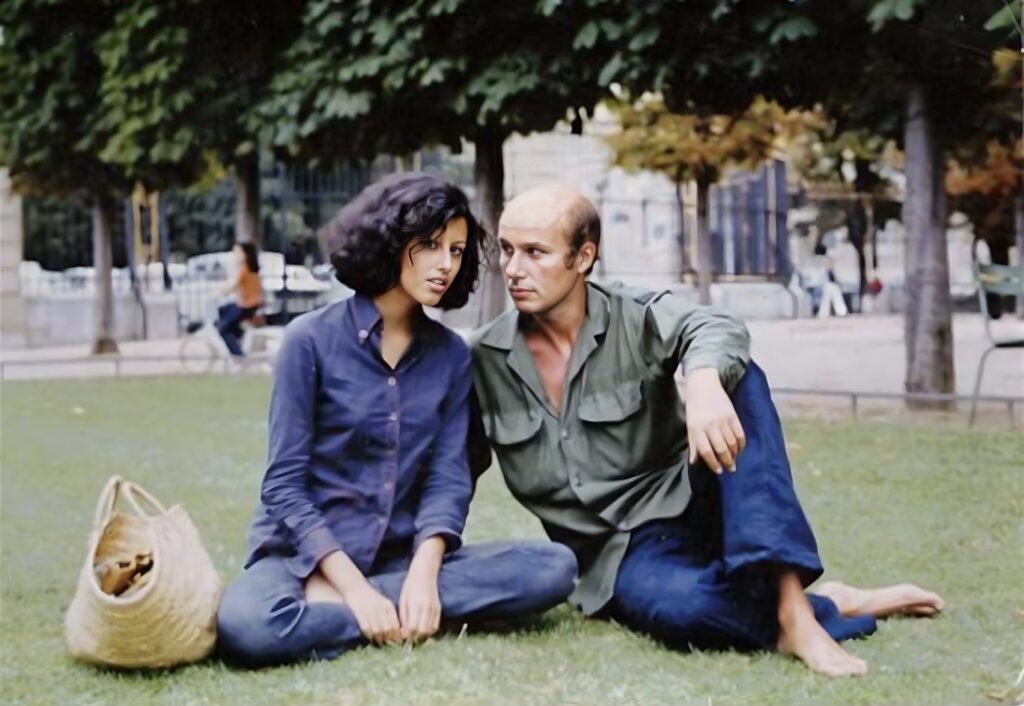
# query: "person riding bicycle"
248,293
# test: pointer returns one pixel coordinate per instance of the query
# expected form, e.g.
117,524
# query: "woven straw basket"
169,620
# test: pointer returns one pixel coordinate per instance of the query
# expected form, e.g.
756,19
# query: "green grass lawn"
939,506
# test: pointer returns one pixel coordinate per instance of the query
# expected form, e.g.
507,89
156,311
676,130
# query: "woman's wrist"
428,557
342,573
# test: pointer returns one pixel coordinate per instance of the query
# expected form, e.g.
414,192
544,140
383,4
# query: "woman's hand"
419,606
375,614
712,426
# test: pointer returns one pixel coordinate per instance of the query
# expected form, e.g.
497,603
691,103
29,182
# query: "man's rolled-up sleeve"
699,337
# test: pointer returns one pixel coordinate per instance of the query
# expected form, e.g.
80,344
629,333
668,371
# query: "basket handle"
133,493
108,498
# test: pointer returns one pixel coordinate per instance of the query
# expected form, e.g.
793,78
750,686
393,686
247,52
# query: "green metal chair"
1002,280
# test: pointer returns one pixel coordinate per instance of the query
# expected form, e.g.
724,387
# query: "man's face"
538,271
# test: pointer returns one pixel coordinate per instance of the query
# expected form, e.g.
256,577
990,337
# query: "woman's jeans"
264,617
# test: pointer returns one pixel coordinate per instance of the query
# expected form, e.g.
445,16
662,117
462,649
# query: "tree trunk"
681,205
927,317
102,261
703,240
247,199
857,229
1019,223
489,177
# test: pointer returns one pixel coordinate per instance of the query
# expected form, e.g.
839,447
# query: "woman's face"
430,264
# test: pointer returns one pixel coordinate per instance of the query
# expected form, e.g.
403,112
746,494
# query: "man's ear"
586,257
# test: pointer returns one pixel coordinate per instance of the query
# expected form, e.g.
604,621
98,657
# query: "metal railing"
855,396
119,365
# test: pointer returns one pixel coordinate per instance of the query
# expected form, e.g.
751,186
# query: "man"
577,396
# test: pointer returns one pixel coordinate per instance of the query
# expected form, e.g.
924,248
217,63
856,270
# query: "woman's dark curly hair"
366,239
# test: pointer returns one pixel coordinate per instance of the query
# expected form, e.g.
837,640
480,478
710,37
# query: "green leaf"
1008,17
444,7
612,30
433,74
548,7
644,39
793,29
885,10
610,70
587,36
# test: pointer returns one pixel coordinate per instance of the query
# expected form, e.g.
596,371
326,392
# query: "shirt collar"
369,321
503,332
365,315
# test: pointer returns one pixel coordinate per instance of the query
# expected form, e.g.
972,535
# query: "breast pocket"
608,415
525,457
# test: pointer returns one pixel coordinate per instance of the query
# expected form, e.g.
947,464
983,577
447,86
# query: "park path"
856,353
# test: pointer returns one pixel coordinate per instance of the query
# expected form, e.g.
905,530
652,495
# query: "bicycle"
202,347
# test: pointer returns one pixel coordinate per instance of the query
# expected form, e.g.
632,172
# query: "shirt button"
388,485
392,417
382,520
392,381
363,334
565,433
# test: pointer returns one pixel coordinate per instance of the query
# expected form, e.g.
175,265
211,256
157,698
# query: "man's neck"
561,324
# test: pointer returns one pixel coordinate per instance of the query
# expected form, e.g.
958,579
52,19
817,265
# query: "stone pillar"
12,312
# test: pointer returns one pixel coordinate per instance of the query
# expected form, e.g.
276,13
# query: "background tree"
699,149
50,76
178,80
375,76
908,70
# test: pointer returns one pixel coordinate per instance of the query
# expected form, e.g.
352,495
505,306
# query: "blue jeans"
229,325
265,619
709,577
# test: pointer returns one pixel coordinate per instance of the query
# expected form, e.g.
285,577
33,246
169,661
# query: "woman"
248,297
357,538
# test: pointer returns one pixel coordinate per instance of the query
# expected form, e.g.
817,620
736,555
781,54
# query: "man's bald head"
555,205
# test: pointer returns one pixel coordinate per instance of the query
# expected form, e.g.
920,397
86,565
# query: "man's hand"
419,606
712,426
375,614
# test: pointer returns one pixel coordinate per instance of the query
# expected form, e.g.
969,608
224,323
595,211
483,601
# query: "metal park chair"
1002,280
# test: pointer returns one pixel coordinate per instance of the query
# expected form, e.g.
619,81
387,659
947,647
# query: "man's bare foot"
901,599
805,639
802,636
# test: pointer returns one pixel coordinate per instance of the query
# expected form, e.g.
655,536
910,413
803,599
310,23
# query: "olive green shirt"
617,456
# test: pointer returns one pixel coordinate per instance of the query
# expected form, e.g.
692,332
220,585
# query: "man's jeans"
264,617
709,577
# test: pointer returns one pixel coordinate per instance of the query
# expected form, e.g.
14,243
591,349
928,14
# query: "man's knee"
754,377
562,570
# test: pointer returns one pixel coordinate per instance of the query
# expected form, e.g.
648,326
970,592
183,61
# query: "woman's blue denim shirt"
363,456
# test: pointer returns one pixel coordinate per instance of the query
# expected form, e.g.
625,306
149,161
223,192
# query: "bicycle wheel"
197,353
